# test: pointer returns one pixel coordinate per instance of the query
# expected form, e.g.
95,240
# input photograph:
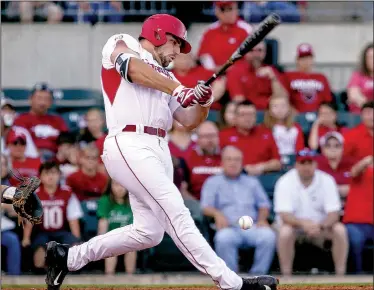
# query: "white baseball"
245,222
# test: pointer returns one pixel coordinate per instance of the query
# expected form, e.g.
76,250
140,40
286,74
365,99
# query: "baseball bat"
267,25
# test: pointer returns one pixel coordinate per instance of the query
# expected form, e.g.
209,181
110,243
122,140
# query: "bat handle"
211,80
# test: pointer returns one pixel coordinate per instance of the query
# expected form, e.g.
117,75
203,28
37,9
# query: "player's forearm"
142,74
192,117
75,228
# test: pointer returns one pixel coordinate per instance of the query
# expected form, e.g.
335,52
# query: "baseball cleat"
264,282
56,259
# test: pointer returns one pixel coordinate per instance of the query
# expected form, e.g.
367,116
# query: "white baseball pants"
142,164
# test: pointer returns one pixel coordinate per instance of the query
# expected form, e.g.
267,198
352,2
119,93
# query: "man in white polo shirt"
307,204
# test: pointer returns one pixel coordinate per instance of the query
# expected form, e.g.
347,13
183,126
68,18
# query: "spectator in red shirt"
279,118
67,154
332,162
358,214
254,80
94,129
361,85
88,182
227,115
26,166
204,160
223,37
43,127
307,89
181,141
189,73
359,140
326,122
260,152
61,214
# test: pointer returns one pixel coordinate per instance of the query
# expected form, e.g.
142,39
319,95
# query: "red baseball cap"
224,3
15,135
306,155
304,49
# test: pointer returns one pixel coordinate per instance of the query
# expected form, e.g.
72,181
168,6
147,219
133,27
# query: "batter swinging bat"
267,25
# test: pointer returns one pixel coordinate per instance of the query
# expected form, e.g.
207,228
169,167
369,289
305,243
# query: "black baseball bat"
267,25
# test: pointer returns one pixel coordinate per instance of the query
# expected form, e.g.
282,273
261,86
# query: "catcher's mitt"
25,201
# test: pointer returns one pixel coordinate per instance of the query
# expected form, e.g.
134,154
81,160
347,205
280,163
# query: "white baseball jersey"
314,202
131,104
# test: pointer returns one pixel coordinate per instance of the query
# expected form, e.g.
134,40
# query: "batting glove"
204,94
185,96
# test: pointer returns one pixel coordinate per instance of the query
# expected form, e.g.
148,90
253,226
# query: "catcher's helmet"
156,26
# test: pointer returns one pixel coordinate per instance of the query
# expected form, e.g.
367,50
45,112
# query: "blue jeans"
229,240
358,234
11,242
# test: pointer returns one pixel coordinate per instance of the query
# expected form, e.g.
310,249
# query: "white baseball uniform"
142,164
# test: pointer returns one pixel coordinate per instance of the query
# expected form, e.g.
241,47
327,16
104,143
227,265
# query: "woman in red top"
358,215
279,117
180,141
360,87
326,122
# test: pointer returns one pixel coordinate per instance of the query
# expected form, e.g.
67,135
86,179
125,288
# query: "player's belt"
148,130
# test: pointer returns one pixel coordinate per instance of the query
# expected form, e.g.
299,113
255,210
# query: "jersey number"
53,217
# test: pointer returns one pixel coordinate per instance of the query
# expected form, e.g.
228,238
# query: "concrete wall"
69,55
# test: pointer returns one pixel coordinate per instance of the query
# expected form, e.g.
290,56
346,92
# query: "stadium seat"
260,117
348,119
268,181
19,97
288,161
67,99
90,220
306,121
213,116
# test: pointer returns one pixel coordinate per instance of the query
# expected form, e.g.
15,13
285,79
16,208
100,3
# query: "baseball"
245,222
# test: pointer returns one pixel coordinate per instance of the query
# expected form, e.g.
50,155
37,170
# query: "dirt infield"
280,287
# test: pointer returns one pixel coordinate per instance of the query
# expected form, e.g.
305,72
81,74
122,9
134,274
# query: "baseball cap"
15,135
6,102
304,49
333,134
42,86
306,155
223,3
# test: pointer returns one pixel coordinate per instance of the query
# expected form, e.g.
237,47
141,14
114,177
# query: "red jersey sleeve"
21,121
61,124
204,45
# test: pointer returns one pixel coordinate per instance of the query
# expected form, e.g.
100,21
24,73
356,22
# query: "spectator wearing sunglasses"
332,161
253,80
26,166
223,37
307,207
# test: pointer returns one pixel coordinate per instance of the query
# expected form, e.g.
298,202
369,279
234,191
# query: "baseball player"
141,99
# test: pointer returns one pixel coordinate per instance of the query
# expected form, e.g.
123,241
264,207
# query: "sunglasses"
19,142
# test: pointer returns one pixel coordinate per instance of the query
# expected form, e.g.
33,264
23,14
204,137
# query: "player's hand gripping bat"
267,25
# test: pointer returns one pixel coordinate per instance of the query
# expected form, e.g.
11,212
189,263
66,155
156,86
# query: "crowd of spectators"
326,198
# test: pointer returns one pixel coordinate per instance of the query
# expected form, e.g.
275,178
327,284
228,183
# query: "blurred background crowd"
279,145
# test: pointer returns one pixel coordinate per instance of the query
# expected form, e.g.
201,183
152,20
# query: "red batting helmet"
156,26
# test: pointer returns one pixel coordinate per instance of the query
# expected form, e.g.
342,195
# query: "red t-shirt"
220,41
54,209
307,90
28,168
87,187
358,142
258,146
342,174
200,167
359,204
43,129
196,74
180,153
100,145
243,80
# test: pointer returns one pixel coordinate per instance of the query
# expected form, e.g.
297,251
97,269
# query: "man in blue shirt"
228,196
